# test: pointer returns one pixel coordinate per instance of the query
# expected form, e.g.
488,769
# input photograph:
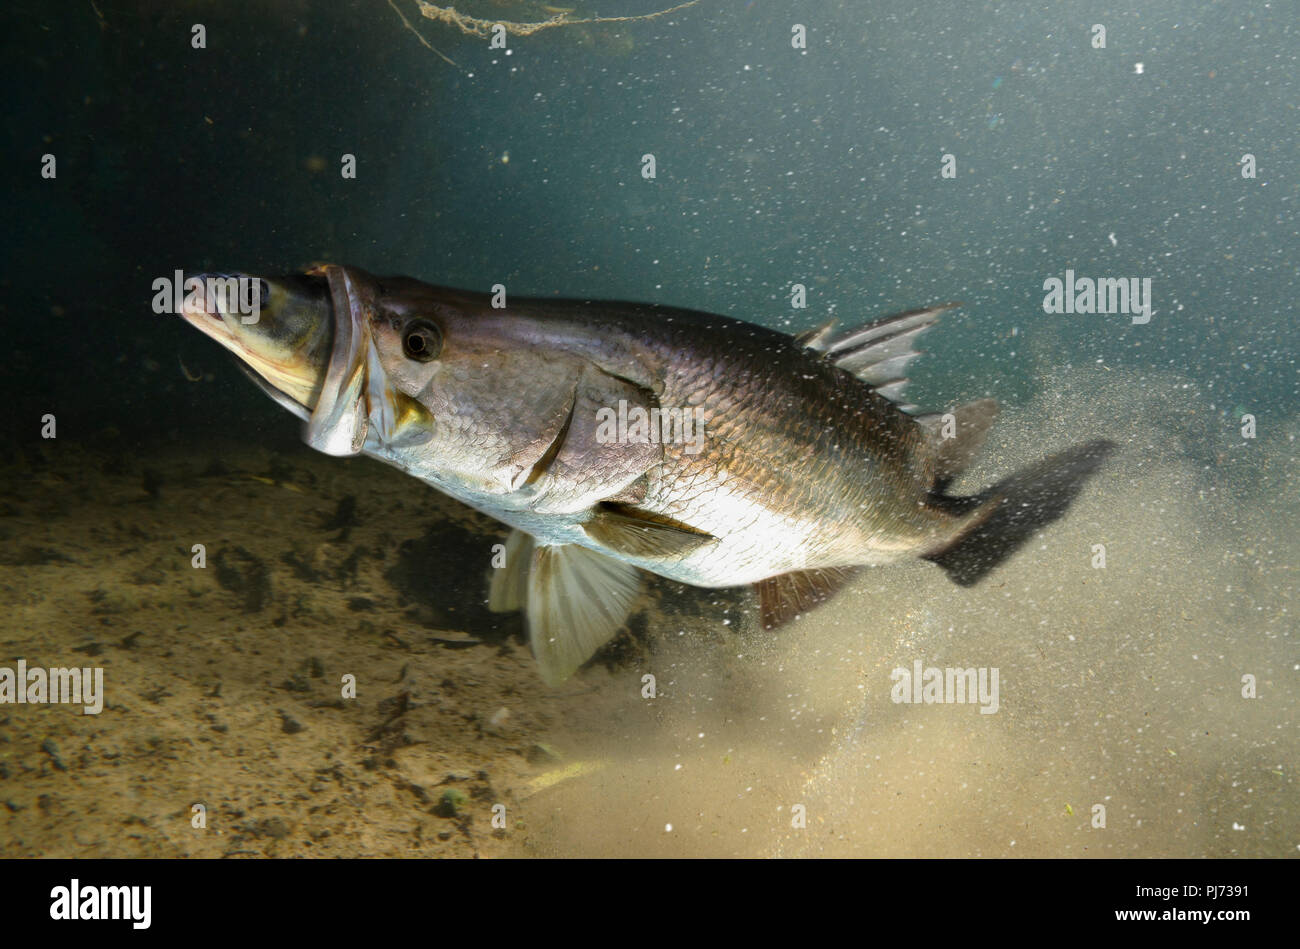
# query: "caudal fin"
1009,513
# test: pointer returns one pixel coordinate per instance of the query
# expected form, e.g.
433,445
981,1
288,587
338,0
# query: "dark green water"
775,166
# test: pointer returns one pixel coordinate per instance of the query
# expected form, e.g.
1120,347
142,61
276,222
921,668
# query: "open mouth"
277,368
219,297
221,326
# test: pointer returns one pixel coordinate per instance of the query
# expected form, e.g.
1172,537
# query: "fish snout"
280,328
226,299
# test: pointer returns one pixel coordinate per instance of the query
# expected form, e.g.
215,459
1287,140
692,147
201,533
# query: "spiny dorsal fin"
784,597
950,446
879,352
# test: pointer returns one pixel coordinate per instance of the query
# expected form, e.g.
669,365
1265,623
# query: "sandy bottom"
1121,726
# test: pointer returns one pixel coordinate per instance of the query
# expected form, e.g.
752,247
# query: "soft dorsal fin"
784,597
950,446
879,352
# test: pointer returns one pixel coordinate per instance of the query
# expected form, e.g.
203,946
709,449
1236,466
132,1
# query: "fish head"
465,363
479,400
280,328
466,395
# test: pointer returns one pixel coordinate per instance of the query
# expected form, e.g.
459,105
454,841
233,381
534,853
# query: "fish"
618,439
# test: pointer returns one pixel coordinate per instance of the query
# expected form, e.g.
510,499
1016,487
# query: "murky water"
1121,689
1143,646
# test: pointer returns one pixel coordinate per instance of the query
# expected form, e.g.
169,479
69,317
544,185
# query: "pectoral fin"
577,600
633,532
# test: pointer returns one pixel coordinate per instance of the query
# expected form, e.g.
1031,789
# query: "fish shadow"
441,579
1033,498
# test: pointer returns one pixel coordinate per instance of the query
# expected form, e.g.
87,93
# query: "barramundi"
617,438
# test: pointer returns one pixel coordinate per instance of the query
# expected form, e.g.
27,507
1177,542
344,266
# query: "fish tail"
965,515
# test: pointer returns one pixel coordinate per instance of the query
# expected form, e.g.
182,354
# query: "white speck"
1137,68
1111,237
668,828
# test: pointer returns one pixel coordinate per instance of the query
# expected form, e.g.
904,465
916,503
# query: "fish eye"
422,341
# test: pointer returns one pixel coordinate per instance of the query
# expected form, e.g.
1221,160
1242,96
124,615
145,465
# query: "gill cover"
357,406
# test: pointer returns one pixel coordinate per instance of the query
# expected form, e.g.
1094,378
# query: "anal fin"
782,598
